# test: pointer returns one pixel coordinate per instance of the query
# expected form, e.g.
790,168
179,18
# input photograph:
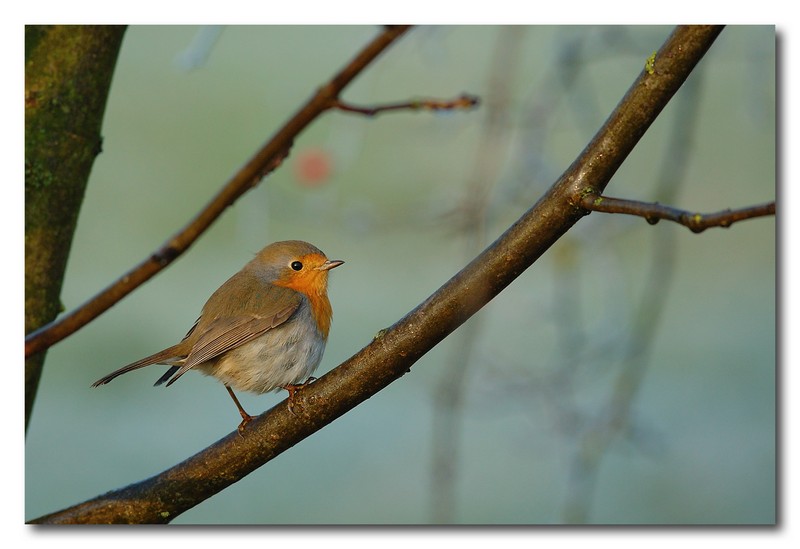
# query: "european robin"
264,329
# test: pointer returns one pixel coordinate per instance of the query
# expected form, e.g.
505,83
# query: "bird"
263,330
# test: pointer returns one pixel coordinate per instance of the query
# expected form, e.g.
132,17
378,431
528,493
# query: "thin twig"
653,212
462,102
266,159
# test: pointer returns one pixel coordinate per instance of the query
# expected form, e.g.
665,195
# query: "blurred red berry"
313,167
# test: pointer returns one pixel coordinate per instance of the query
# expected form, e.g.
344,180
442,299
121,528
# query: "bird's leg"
295,387
246,418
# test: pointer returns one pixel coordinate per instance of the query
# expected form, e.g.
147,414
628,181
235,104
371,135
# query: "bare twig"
653,212
266,159
462,102
394,351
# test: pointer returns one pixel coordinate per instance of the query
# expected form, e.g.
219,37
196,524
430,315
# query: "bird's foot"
295,388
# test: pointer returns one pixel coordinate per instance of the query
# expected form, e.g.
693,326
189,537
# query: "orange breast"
321,311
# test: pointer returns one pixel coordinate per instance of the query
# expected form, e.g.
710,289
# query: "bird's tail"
170,355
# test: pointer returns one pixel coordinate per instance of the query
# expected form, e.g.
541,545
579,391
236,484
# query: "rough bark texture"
68,73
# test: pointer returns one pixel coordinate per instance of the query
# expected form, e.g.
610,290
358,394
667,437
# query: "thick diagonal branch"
394,351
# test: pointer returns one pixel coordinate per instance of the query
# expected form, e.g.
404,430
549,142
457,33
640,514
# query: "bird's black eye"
296,265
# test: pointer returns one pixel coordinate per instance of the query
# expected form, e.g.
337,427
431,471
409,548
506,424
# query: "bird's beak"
330,264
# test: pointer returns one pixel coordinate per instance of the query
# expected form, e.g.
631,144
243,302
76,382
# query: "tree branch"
653,212
464,101
393,351
265,160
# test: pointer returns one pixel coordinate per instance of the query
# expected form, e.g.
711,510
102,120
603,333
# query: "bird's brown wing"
223,334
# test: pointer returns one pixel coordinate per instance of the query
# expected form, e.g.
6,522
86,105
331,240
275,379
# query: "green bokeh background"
701,447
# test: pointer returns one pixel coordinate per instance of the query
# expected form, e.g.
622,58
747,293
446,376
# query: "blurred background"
628,377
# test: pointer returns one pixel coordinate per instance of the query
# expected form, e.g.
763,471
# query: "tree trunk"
68,73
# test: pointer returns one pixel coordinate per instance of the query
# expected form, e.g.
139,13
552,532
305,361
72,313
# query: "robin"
264,329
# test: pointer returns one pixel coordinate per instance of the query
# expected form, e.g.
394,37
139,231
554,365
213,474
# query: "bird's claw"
246,418
295,388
